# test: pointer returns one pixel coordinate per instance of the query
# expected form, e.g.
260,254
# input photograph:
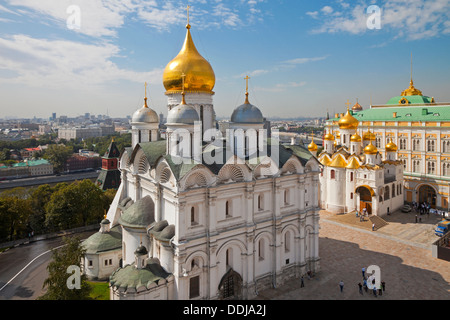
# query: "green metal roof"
139,215
31,163
411,99
131,278
404,113
102,242
218,150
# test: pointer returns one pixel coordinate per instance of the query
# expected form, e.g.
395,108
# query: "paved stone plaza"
402,250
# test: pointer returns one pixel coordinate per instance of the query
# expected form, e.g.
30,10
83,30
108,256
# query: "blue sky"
303,57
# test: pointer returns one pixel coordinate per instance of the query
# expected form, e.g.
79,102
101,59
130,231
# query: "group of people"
361,215
422,208
369,283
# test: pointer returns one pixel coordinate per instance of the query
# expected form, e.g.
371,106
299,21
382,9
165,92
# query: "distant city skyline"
304,58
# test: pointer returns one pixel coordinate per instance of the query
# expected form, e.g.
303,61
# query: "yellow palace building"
420,127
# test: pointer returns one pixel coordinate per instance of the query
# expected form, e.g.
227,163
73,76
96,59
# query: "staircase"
379,222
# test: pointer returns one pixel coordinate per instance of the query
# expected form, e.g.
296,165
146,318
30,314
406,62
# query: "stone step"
378,221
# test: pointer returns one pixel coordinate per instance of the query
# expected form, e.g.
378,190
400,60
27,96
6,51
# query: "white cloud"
412,19
303,60
327,10
63,64
103,18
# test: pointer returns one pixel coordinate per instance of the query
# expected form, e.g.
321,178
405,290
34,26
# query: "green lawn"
100,290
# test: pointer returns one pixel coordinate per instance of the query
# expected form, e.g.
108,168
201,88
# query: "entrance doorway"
230,287
365,199
427,194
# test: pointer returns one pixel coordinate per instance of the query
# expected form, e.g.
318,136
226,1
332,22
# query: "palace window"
431,167
402,145
430,146
416,166
416,145
446,146
446,169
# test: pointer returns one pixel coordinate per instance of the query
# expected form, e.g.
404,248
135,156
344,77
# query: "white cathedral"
355,177
201,216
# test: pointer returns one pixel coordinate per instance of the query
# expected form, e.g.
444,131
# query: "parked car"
406,208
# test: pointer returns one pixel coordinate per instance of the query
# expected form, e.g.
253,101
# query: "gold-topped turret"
200,76
312,146
348,121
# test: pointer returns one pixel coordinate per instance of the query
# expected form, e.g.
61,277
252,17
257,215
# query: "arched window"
386,193
286,196
260,202
393,191
227,209
287,241
333,174
261,249
194,216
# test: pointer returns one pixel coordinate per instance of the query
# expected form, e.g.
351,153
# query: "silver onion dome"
182,114
145,115
247,113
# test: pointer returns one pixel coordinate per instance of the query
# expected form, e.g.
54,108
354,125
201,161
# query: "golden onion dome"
370,149
312,146
199,75
357,107
348,121
369,136
391,147
355,138
329,137
411,91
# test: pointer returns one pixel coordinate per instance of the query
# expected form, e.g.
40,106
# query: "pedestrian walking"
302,283
373,226
363,272
360,288
365,285
341,285
380,291
383,285
374,291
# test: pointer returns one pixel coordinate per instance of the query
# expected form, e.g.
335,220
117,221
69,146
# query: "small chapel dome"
355,138
348,121
182,114
369,136
391,147
370,149
247,113
312,146
329,137
145,115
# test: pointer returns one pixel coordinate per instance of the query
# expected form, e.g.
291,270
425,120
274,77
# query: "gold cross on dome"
246,83
187,9
348,104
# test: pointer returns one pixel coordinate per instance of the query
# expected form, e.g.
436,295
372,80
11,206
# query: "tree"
71,254
57,155
75,205
39,198
15,209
